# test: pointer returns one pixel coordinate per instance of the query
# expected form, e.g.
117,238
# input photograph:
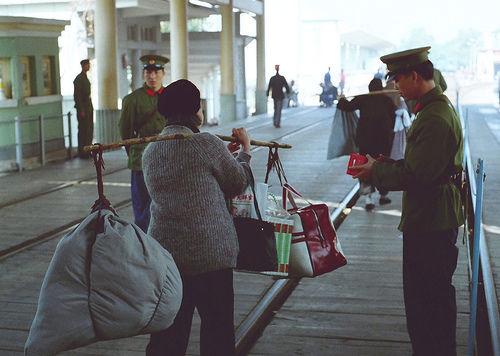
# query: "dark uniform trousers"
278,105
85,129
141,201
429,261
213,295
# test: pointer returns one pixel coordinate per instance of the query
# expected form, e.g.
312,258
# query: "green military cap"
400,61
153,61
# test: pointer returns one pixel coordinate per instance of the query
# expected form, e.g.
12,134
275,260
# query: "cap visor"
153,67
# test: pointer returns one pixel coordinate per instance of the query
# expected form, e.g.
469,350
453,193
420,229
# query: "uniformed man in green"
432,209
84,109
140,118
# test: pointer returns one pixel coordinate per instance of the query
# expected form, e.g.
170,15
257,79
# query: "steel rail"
56,188
14,249
488,282
80,180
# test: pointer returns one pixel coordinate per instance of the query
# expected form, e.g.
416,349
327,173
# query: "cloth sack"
315,249
107,279
343,134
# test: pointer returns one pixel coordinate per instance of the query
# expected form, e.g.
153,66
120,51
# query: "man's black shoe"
384,200
369,207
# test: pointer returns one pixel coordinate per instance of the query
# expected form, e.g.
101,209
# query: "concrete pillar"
227,93
107,114
178,39
239,70
261,87
136,67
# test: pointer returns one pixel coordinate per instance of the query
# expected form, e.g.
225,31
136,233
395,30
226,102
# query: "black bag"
256,239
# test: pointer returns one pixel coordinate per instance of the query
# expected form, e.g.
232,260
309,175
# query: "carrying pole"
376,92
142,140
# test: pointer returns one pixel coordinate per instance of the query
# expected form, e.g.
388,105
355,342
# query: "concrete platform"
356,310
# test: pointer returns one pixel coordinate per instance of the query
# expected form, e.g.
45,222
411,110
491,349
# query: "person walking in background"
432,211
140,118
84,109
375,131
188,180
327,80
276,85
342,82
379,74
293,100
498,88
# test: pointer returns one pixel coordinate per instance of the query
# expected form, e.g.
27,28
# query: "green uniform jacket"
434,151
140,118
81,94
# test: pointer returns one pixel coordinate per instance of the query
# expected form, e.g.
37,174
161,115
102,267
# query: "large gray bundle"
118,282
343,134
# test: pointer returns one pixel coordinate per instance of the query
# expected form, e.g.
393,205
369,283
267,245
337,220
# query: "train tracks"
63,229
90,178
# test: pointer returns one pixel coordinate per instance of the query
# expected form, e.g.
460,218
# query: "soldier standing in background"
84,109
140,118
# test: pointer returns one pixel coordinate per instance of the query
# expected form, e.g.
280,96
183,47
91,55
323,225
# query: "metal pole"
70,138
471,343
41,138
19,143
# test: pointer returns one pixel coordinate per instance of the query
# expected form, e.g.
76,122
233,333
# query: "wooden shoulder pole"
142,140
377,92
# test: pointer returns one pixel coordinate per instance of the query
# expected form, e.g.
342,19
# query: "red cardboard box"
355,159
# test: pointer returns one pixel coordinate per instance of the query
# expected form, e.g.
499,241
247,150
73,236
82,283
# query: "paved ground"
356,310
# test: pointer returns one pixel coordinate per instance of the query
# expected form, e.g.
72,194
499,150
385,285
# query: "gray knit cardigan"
188,181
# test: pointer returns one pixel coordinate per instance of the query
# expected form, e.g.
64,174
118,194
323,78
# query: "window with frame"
149,34
5,79
132,32
27,76
48,75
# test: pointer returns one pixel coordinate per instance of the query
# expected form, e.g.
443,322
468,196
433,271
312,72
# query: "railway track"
91,177
63,229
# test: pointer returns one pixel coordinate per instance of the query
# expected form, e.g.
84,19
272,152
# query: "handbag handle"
274,161
289,192
250,177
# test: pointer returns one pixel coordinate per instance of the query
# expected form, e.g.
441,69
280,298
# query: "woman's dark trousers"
213,295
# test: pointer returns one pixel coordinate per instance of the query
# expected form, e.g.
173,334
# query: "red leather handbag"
315,249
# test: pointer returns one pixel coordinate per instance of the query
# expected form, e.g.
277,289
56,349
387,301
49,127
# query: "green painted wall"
35,47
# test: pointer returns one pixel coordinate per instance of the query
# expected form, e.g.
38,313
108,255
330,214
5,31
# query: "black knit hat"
375,85
180,98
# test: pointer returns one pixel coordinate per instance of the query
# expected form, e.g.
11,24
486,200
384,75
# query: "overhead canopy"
127,8
204,51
